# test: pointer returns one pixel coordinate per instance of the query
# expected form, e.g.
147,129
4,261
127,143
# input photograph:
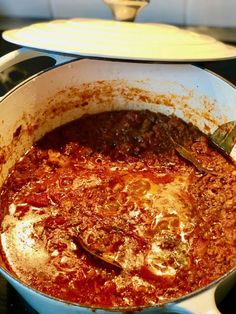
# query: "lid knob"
126,10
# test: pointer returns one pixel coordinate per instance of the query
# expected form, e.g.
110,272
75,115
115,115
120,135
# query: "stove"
10,301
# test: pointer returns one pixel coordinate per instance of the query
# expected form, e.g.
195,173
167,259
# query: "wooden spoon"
109,259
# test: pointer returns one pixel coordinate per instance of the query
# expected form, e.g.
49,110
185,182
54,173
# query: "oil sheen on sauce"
115,181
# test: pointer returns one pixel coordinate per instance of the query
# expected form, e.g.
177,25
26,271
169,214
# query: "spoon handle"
224,137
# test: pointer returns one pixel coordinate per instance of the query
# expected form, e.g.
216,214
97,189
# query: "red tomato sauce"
103,211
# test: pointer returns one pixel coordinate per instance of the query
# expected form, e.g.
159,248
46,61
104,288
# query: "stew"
113,183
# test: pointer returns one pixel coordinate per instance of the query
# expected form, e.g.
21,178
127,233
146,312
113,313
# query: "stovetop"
10,300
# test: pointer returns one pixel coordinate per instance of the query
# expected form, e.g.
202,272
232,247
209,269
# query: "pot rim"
214,283
193,65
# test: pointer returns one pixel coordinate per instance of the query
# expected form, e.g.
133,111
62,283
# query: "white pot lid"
121,40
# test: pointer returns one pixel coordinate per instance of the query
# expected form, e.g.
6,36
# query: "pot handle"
23,54
202,303
8,61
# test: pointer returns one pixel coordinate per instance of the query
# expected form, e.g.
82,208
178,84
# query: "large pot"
75,87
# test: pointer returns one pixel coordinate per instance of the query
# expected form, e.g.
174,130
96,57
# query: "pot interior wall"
89,86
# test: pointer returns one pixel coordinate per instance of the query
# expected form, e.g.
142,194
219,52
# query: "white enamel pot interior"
78,87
